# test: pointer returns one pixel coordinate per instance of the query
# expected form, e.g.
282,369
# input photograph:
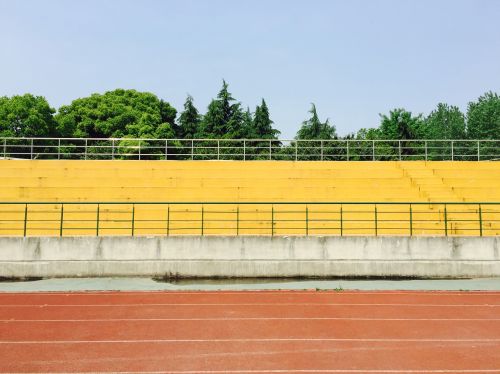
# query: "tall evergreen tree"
313,128
224,117
400,124
263,126
189,120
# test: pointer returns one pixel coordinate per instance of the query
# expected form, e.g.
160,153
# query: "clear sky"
353,59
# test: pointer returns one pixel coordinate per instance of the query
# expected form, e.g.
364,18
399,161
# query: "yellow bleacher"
278,182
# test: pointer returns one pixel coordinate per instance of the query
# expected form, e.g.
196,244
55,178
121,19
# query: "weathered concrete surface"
247,256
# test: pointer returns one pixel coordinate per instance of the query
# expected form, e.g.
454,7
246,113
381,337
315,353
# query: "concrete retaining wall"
246,256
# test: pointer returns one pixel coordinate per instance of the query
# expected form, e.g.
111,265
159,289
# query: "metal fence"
247,149
252,218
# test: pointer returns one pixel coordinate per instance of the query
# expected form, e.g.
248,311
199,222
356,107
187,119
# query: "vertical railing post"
478,151
85,150
341,221
113,149
270,150
61,221
272,220
445,221
296,150
168,220
31,150
399,149
347,149
192,149
425,147
4,148
480,221
244,150
373,150
202,219
166,149
307,220
25,219
133,219
321,147
218,149
237,220
97,220
376,221
139,149
452,152
58,148
411,221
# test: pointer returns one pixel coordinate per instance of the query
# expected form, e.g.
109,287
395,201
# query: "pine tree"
313,128
262,124
189,120
224,117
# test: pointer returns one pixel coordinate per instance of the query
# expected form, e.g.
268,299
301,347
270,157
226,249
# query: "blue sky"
353,59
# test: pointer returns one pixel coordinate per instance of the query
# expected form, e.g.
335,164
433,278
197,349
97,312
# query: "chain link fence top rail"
247,149
249,218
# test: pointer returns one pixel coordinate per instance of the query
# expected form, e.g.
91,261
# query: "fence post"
376,221
166,149
168,220
139,149
341,222
445,221
61,223
480,221
272,220
244,150
452,152
85,150
296,150
321,146
25,219
347,146
237,220
31,150
478,152
399,149
4,148
373,150
270,149
192,149
202,218
133,219
113,149
425,146
411,221
307,220
58,148
97,220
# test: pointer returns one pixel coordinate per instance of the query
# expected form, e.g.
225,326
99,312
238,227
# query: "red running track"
250,332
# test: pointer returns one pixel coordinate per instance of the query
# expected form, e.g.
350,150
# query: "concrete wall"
246,256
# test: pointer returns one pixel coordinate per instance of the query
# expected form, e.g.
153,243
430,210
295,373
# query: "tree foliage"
314,129
119,113
189,120
400,124
445,122
262,123
483,117
26,116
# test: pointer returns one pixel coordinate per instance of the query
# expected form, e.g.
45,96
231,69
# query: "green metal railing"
249,218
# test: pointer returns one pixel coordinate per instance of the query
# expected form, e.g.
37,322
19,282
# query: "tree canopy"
313,128
26,116
483,117
118,113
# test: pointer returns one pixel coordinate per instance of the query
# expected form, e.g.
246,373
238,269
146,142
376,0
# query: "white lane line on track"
142,305
250,340
283,371
248,319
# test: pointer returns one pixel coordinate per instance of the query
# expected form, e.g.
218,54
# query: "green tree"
445,122
26,116
224,117
262,124
313,128
400,124
483,117
118,113
189,120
